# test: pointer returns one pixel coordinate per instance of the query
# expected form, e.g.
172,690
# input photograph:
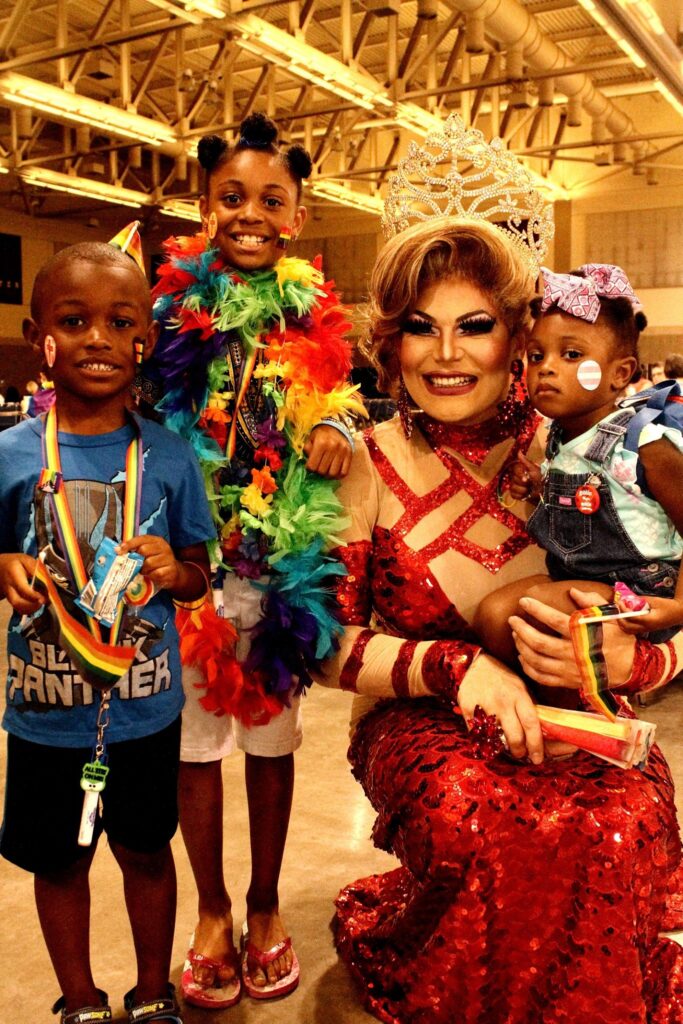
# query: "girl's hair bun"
640,320
210,149
299,161
257,132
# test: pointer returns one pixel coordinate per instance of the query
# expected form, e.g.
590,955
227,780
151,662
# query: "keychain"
94,776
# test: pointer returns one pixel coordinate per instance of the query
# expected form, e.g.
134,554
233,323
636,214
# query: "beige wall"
40,238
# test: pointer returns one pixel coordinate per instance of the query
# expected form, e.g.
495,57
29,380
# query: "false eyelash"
415,326
478,325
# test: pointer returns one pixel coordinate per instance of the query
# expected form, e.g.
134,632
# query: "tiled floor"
328,846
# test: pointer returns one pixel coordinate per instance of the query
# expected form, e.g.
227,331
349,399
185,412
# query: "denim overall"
596,546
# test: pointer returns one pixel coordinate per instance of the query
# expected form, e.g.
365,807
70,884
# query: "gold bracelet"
506,500
196,603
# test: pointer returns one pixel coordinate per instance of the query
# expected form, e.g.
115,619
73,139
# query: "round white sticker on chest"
589,374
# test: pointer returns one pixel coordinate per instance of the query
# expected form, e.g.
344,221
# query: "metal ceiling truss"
115,93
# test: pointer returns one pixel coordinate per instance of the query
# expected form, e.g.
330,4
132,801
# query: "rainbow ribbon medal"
100,663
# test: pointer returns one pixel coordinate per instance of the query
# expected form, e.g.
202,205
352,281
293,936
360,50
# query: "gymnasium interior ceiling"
102,101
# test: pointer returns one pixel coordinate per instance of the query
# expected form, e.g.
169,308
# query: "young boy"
68,481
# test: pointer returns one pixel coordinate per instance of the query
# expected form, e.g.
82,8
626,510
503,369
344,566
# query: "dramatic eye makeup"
416,325
481,323
471,323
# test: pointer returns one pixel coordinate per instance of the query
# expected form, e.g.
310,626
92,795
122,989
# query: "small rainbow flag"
98,663
585,631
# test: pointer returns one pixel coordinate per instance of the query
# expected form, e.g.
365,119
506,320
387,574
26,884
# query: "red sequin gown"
527,895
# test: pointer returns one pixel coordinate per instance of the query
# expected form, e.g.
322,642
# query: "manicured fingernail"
536,758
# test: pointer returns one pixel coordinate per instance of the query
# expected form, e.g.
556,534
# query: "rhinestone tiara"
457,173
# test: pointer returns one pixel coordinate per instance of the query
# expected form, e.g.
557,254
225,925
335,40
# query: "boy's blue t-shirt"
47,702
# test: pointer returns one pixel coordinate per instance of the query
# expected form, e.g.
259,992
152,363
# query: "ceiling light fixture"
416,119
86,187
338,193
183,208
72,108
196,10
303,60
638,30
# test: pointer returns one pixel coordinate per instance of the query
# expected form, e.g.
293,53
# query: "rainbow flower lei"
255,360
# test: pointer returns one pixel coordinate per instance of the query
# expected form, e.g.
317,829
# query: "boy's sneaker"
87,1014
166,1011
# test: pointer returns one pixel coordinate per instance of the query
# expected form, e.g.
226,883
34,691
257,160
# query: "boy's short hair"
101,253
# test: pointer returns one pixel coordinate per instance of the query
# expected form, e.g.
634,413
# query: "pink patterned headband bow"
580,296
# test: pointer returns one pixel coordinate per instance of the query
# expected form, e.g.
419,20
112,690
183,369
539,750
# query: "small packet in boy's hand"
111,575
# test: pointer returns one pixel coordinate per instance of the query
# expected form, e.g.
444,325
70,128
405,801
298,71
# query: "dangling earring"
139,349
50,349
212,226
406,409
285,238
512,410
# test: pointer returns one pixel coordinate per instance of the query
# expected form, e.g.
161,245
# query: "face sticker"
589,374
50,350
212,225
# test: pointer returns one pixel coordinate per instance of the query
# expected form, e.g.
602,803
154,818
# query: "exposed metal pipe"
513,26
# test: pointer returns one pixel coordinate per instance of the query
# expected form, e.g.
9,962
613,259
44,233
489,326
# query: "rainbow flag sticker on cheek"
285,238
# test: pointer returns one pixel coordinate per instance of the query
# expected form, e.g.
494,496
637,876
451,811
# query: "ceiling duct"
515,28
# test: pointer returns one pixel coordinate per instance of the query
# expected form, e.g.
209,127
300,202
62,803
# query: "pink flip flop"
208,997
278,988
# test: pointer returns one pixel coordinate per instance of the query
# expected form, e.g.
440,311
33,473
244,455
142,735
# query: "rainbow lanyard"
52,481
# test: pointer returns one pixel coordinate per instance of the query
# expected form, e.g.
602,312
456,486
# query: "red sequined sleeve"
654,665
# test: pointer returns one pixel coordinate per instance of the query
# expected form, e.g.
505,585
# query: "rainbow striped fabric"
585,631
98,663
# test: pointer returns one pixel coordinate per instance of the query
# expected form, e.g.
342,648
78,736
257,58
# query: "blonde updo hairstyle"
439,250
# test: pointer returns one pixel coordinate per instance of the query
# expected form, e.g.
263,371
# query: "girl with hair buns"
252,367
532,887
611,511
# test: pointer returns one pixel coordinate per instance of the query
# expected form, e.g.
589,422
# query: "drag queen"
532,885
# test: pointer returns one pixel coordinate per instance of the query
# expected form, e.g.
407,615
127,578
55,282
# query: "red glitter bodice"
407,599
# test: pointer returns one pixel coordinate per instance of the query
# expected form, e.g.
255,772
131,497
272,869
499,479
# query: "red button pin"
587,499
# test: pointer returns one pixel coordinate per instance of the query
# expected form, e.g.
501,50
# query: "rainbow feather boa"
274,518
